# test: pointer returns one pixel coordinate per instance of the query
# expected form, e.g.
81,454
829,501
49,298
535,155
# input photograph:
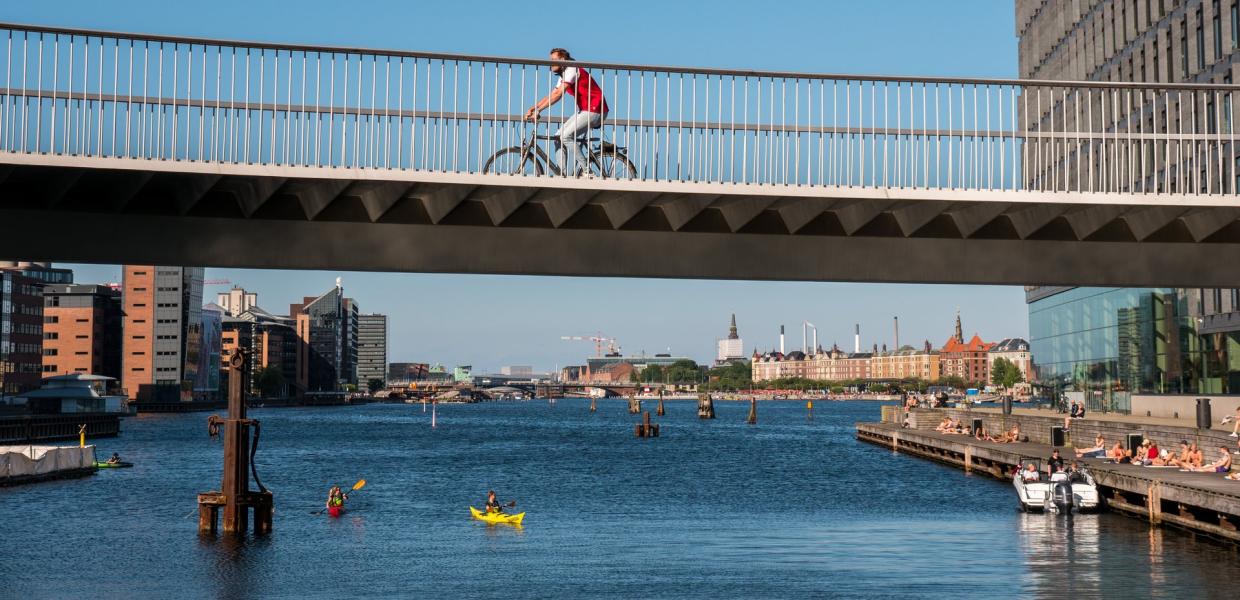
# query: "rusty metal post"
236,462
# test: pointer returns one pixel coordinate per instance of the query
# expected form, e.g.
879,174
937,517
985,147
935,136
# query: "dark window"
1201,41
1235,24
1217,22
1184,48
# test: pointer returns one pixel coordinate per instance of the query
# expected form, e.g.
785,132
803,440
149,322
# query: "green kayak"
115,465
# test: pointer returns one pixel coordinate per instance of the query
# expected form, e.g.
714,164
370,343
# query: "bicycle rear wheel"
613,164
513,161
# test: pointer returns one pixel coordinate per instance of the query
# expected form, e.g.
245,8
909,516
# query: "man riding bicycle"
591,110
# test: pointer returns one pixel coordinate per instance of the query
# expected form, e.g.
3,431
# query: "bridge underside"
481,224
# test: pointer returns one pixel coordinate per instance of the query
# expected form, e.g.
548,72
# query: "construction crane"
599,341
216,282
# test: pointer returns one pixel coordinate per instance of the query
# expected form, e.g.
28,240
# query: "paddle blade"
361,483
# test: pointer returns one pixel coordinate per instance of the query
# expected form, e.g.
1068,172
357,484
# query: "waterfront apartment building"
236,301
372,348
21,331
349,341
1015,350
81,330
271,342
906,363
162,332
320,331
832,365
1149,41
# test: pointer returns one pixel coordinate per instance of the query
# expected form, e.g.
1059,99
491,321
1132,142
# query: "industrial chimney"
781,339
857,338
897,324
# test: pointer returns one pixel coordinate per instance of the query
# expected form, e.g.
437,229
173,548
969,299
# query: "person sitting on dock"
944,425
1096,451
1197,457
1119,454
1009,437
980,434
336,497
1222,465
493,505
114,459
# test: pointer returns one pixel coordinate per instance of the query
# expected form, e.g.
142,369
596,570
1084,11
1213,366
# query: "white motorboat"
1058,493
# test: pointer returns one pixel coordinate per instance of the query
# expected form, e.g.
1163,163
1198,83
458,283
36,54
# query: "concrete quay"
1204,503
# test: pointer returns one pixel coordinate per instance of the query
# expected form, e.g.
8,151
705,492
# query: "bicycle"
605,159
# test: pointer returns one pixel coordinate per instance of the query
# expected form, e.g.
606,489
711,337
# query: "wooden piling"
753,412
635,405
660,409
646,429
706,406
593,404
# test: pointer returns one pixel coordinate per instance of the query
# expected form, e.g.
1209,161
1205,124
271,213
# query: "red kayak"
335,511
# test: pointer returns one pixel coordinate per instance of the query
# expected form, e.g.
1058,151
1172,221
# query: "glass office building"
1109,343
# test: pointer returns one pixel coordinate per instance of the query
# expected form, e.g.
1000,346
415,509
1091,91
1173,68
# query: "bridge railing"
111,95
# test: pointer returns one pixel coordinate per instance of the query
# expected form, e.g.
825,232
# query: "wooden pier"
1200,502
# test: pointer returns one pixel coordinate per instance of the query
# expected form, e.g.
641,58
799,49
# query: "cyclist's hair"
562,52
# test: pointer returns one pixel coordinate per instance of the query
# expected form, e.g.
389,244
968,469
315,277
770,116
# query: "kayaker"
115,459
336,497
493,505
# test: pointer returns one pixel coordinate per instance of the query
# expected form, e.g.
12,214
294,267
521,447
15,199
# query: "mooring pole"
234,494
236,461
753,411
660,409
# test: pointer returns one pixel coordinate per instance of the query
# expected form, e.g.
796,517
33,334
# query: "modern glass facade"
1109,343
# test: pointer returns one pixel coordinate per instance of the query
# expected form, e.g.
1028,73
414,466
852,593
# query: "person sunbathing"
943,425
1096,451
1198,457
1182,458
1119,454
1009,437
1221,465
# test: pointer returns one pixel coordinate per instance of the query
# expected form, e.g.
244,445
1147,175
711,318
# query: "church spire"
732,330
959,332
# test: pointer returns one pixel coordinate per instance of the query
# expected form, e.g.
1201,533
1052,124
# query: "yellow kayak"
497,517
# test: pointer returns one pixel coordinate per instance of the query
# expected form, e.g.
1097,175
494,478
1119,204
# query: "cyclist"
591,110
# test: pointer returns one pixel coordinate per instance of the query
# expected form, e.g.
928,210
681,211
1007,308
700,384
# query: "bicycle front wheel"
513,161
613,164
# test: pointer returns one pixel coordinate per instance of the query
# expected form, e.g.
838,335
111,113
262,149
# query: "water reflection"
1062,553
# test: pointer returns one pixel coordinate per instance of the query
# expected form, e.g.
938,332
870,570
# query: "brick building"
81,330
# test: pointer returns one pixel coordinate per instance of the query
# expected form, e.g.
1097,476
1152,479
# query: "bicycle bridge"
119,147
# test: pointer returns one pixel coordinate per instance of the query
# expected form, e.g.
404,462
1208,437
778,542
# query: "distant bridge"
132,148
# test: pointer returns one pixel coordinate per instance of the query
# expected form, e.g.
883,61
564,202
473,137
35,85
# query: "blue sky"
491,321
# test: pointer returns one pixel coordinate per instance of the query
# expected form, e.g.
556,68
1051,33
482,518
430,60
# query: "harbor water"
790,507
